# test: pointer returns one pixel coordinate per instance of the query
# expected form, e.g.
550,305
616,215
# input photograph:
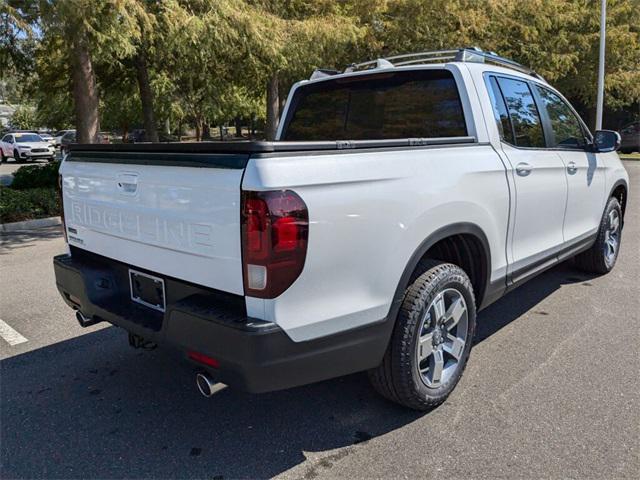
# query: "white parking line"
10,335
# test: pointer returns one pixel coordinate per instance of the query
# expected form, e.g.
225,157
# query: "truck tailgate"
175,220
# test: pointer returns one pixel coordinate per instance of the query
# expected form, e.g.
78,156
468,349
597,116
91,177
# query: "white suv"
25,146
403,196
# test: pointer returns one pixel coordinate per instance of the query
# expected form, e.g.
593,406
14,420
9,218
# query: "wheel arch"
620,190
462,230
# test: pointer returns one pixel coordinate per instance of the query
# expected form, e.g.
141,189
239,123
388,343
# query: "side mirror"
606,141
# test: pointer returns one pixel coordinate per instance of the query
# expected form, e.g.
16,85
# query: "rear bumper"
254,355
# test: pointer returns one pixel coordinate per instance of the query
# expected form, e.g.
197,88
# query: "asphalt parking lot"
552,391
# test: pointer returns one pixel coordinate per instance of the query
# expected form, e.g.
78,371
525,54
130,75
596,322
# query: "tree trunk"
206,131
273,107
198,130
85,92
125,133
146,96
238,123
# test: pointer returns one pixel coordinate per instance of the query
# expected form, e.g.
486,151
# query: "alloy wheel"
612,237
443,336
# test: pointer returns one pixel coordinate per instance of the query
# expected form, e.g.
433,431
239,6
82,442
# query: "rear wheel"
602,256
2,157
431,340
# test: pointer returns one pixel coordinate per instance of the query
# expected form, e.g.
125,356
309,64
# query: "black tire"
2,157
598,259
399,377
16,157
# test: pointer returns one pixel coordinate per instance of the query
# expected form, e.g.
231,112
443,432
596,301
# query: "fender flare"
430,241
620,182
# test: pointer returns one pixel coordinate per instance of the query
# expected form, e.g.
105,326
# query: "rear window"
421,103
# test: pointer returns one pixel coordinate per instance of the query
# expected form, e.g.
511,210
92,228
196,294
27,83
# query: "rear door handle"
572,168
523,169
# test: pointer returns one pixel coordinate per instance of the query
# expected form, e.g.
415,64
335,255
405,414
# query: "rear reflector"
275,229
204,359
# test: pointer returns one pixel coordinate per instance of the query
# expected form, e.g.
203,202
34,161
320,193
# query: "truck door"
585,171
538,175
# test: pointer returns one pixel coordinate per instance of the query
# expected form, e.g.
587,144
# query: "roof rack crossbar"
421,60
471,54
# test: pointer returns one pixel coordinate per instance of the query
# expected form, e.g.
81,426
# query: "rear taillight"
275,229
60,199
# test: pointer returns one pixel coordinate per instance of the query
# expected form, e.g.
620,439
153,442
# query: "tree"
122,63
70,20
16,34
90,32
305,35
144,40
557,38
23,118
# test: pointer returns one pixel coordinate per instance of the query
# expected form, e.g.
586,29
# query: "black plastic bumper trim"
254,355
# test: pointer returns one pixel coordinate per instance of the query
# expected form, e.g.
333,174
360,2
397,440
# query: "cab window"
565,126
500,111
523,112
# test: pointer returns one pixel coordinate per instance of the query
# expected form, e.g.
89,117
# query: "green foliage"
209,61
557,38
23,118
18,205
36,176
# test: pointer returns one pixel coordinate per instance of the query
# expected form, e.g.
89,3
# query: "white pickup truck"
403,195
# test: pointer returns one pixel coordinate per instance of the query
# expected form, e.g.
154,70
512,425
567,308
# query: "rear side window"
422,103
500,111
524,114
567,131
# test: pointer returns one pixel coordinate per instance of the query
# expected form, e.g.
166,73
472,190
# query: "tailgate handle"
127,183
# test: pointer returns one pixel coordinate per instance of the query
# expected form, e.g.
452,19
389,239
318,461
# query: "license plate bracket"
147,290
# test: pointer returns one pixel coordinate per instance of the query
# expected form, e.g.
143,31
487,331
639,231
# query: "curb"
30,224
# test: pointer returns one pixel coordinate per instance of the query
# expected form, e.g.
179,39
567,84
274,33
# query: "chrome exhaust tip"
85,321
82,320
206,385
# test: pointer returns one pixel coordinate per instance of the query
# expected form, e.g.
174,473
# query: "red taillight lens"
60,199
204,359
275,229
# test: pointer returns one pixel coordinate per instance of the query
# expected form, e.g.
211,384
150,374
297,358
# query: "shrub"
36,176
18,205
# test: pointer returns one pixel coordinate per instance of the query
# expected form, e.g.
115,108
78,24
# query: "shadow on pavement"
27,238
91,407
526,297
